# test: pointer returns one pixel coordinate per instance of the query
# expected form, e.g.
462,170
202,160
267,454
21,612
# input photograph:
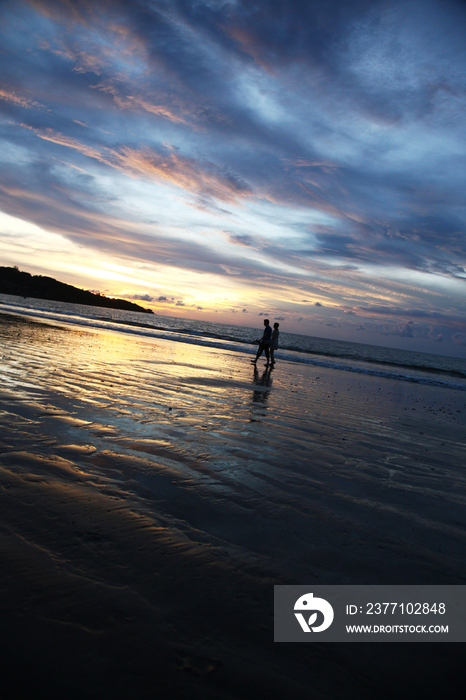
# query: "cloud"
168,165
191,175
459,338
421,314
230,174
242,239
163,110
19,100
299,150
405,329
48,134
436,337
140,297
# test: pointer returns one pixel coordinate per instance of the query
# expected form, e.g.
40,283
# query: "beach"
153,493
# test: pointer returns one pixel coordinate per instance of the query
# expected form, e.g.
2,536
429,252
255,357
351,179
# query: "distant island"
13,281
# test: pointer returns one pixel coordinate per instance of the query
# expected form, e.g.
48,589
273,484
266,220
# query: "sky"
228,160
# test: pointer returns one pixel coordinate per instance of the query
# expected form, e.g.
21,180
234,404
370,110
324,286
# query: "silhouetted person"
264,343
274,342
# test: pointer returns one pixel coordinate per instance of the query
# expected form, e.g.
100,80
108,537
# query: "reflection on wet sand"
262,379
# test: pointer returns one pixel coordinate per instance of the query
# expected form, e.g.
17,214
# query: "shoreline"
153,493
457,368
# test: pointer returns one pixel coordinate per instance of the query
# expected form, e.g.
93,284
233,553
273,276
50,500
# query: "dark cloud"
459,338
432,335
242,239
140,297
273,161
447,320
404,329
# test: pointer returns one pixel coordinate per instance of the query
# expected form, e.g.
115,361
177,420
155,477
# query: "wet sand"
152,493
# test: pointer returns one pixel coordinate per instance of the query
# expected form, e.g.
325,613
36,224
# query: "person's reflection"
260,396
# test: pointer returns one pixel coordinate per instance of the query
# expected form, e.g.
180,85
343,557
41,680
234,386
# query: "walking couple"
268,343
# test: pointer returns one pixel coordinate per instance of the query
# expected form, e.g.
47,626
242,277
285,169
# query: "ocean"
389,363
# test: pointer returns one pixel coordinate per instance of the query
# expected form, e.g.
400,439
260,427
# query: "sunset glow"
225,160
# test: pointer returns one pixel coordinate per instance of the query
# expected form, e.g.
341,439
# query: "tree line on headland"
13,281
